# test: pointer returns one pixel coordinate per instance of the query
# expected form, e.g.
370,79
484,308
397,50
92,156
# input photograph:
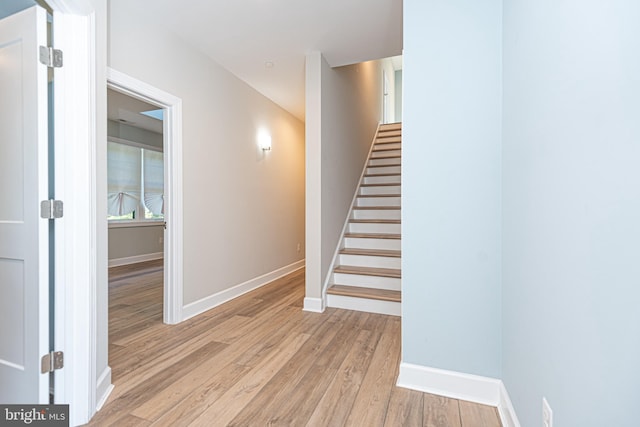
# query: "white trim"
103,388
456,385
200,306
314,305
505,409
390,308
76,234
124,223
117,262
173,271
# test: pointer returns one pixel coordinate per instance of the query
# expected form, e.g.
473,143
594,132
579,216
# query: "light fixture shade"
264,141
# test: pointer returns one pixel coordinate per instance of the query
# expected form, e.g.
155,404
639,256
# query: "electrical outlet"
160,240
298,249
547,414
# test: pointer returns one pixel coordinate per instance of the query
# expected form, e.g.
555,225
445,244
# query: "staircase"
366,276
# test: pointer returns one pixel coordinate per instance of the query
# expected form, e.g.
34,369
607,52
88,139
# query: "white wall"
571,230
344,107
451,185
243,208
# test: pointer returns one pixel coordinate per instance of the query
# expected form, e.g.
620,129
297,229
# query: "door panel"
24,263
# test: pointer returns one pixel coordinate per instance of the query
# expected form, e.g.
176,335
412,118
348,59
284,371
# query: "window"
135,181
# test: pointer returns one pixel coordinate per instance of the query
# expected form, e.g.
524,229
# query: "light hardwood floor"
259,360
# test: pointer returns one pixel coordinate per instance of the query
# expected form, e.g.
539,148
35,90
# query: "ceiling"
125,109
264,42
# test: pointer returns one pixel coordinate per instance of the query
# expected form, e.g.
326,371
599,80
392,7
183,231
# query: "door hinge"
52,361
51,209
51,57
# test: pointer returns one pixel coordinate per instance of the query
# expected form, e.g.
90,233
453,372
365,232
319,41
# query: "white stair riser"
361,304
387,146
384,153
383,189
372,243
376,214
365,227
377,162
393,179
378,201
369,261
364,281
383,169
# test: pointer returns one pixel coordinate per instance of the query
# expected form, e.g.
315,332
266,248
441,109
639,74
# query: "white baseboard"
103,388
117,262
314,305
505,408
457,385
200,306
473,388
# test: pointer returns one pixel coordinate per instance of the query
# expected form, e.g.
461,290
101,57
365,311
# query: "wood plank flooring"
259,360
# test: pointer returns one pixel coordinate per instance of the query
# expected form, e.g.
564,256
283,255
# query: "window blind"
123,178
154,181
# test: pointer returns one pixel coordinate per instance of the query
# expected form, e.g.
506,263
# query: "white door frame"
78,272
172,135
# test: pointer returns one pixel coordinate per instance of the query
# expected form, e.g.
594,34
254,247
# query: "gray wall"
343,108
571,229
243,208
130,133
451,210
398,95
351,111
128,242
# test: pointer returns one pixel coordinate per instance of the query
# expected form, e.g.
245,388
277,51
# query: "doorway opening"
149,200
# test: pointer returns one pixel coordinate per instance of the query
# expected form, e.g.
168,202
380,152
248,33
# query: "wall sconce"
264,141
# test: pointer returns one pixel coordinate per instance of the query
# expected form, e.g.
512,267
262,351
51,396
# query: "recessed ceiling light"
268,64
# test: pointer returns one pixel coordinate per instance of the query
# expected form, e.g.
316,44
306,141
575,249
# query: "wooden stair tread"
394,132
380,184
375,221
378,195
369,293
372,235
390,156
377,208
381,174
391,126
386,149
371,252
369,271
384,166
389,140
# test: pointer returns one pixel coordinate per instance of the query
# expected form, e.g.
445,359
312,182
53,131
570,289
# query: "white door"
24,256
